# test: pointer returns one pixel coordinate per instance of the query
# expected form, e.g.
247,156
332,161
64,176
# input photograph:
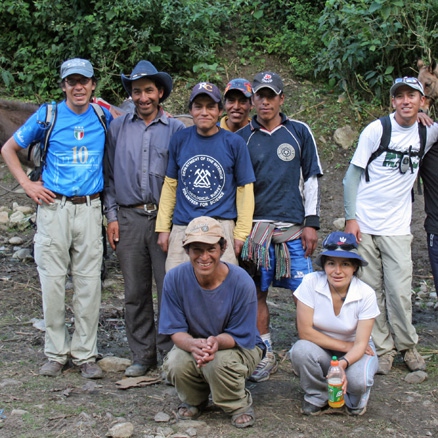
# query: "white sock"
266,338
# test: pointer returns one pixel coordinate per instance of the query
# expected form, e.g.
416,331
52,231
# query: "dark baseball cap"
268,79
206,88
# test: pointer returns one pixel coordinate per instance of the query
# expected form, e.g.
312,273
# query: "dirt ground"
70,406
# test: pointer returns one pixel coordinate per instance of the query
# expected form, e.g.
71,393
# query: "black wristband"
346,360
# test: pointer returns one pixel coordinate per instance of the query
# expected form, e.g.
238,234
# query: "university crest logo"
203,180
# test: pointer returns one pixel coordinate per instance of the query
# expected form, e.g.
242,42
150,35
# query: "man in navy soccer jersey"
286,215
69,219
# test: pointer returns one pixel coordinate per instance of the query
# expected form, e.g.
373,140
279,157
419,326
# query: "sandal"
195,411
250,413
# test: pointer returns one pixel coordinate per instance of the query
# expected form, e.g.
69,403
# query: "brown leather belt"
149,208
77,199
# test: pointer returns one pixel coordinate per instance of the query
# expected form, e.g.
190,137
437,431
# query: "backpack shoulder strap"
422,131
100,115
51,112
384,143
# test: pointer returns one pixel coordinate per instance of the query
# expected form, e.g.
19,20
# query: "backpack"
37,150
405,161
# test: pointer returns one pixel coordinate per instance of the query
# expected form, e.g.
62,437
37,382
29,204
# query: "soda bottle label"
335,394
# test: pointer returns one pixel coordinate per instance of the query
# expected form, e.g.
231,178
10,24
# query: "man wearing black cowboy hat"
135,168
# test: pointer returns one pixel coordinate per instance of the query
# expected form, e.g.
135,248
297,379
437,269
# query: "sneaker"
51,368
356,412
385,363
90,370
413,360
264,369
309,409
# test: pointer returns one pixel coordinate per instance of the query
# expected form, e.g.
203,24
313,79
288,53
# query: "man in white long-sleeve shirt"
378,210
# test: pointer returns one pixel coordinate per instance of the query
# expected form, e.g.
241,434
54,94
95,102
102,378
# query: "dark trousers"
432,246
140,256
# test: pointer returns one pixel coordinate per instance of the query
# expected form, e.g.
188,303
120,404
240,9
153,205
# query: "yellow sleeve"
245,211
166,205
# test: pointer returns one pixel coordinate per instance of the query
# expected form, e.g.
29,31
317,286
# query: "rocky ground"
70,406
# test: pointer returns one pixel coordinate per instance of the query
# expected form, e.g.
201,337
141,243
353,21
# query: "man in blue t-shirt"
286,216
69,219
209,308
209,174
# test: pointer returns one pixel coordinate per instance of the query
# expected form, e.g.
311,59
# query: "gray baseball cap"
77,66
413,83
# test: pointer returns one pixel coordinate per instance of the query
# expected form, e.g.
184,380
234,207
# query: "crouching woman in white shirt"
335,316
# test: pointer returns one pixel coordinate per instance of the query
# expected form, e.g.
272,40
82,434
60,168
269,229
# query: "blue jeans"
299,267
432,246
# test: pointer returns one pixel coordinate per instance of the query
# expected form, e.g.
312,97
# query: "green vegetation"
356,45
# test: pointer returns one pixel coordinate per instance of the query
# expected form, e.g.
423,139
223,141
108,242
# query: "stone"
18,412
339,223
121,430
26,210
113,364
185,424
16,240
162,417
10,382
416,377
38,324
191,431
85,420
164,431
345,137
16,218
23,254
4,217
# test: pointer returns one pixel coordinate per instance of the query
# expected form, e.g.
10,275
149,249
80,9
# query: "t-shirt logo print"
286,152
79,132
203,179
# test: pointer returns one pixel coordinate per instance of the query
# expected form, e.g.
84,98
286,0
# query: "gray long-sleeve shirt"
136,161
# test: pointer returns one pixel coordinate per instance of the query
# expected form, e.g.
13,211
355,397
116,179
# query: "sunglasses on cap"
344,246
407,80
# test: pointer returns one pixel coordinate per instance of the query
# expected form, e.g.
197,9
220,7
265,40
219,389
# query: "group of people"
186,206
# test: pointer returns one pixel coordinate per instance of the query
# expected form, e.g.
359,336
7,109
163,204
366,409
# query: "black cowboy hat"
146,69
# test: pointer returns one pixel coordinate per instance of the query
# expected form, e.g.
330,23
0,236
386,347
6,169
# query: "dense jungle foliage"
356,45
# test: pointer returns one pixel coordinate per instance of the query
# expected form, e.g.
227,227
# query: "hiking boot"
51,368
264,369
385,363
90,370
356,412
309,409
414,360
136,370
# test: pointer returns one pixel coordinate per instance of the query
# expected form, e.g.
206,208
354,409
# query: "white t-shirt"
360,304
384,204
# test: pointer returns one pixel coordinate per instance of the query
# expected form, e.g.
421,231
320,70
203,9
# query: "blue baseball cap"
340,244
240,84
